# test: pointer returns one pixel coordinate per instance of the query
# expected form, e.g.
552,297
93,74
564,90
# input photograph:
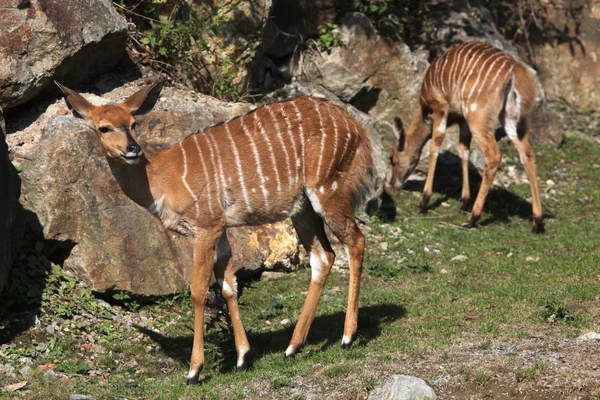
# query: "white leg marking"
442,126
282,143
241,354
225,288
192,373
205,175
289,351
346,340
316,265
291,139
258,166
238,165
271,152
184,176
464,154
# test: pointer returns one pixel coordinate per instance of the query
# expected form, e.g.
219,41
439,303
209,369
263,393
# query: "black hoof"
538,226
192,381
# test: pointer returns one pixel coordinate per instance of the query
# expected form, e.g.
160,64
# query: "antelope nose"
133,148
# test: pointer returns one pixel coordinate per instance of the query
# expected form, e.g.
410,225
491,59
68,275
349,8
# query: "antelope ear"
144,99
399,133
76,102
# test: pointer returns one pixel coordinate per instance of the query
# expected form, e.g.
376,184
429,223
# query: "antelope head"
115,124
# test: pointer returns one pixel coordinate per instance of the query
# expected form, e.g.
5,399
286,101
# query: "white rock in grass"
402,387
460,257
589,336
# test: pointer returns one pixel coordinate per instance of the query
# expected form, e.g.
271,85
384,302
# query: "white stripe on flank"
455,56
323,136
335,140
442,73
257,160
498,74
239,168
348,137
483,67
283,146
471,67
212,214
184,176
291,137
264,134
461,69
226,199
216,171
490,69
432,76
301,129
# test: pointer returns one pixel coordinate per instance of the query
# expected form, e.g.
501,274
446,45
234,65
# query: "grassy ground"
500,321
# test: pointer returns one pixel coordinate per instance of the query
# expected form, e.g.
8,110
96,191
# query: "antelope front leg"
464,143
492,159
204,262
439,131
226,279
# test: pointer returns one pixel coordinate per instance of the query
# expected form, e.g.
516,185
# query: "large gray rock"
403,387
11,218
118,245
44,40
376,75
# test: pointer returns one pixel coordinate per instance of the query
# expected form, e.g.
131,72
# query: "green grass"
414,301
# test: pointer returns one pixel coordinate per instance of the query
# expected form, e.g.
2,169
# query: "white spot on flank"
316,266
156,207
289,351
241,354
253,190
473,106
333,186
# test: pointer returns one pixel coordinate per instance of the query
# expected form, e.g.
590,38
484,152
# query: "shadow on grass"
328,328
502,204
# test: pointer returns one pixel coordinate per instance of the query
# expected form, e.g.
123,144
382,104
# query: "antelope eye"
104,129
134,126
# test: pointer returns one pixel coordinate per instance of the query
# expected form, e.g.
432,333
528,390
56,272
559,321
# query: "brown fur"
303,158
474,85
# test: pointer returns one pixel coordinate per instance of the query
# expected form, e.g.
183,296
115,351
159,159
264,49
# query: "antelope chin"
131,157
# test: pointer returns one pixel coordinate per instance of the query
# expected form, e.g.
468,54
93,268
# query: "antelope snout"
132,153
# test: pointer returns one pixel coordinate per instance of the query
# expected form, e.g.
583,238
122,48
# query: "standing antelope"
303,158
474,85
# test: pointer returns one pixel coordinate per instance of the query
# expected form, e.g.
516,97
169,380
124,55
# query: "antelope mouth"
131,157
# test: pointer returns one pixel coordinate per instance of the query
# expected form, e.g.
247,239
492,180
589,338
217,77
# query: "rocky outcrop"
376,75
44,40
116,244
11,218
569,64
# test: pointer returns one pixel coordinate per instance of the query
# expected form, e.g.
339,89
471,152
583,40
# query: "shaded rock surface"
403,387
68,187
11,218
44,40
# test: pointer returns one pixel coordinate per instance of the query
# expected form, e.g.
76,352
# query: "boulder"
11,218
44,40
403,387
115,244
569,63
376,75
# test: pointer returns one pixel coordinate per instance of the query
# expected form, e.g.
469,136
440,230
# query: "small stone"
81,397
285,322
131,384
383,245
443,271
509,255
25,371
403,387
589,336
50,329
62,111
409,251
550,182
426,249
460,257
445,204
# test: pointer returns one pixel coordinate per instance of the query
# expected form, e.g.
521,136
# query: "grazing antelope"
474,85
303,158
